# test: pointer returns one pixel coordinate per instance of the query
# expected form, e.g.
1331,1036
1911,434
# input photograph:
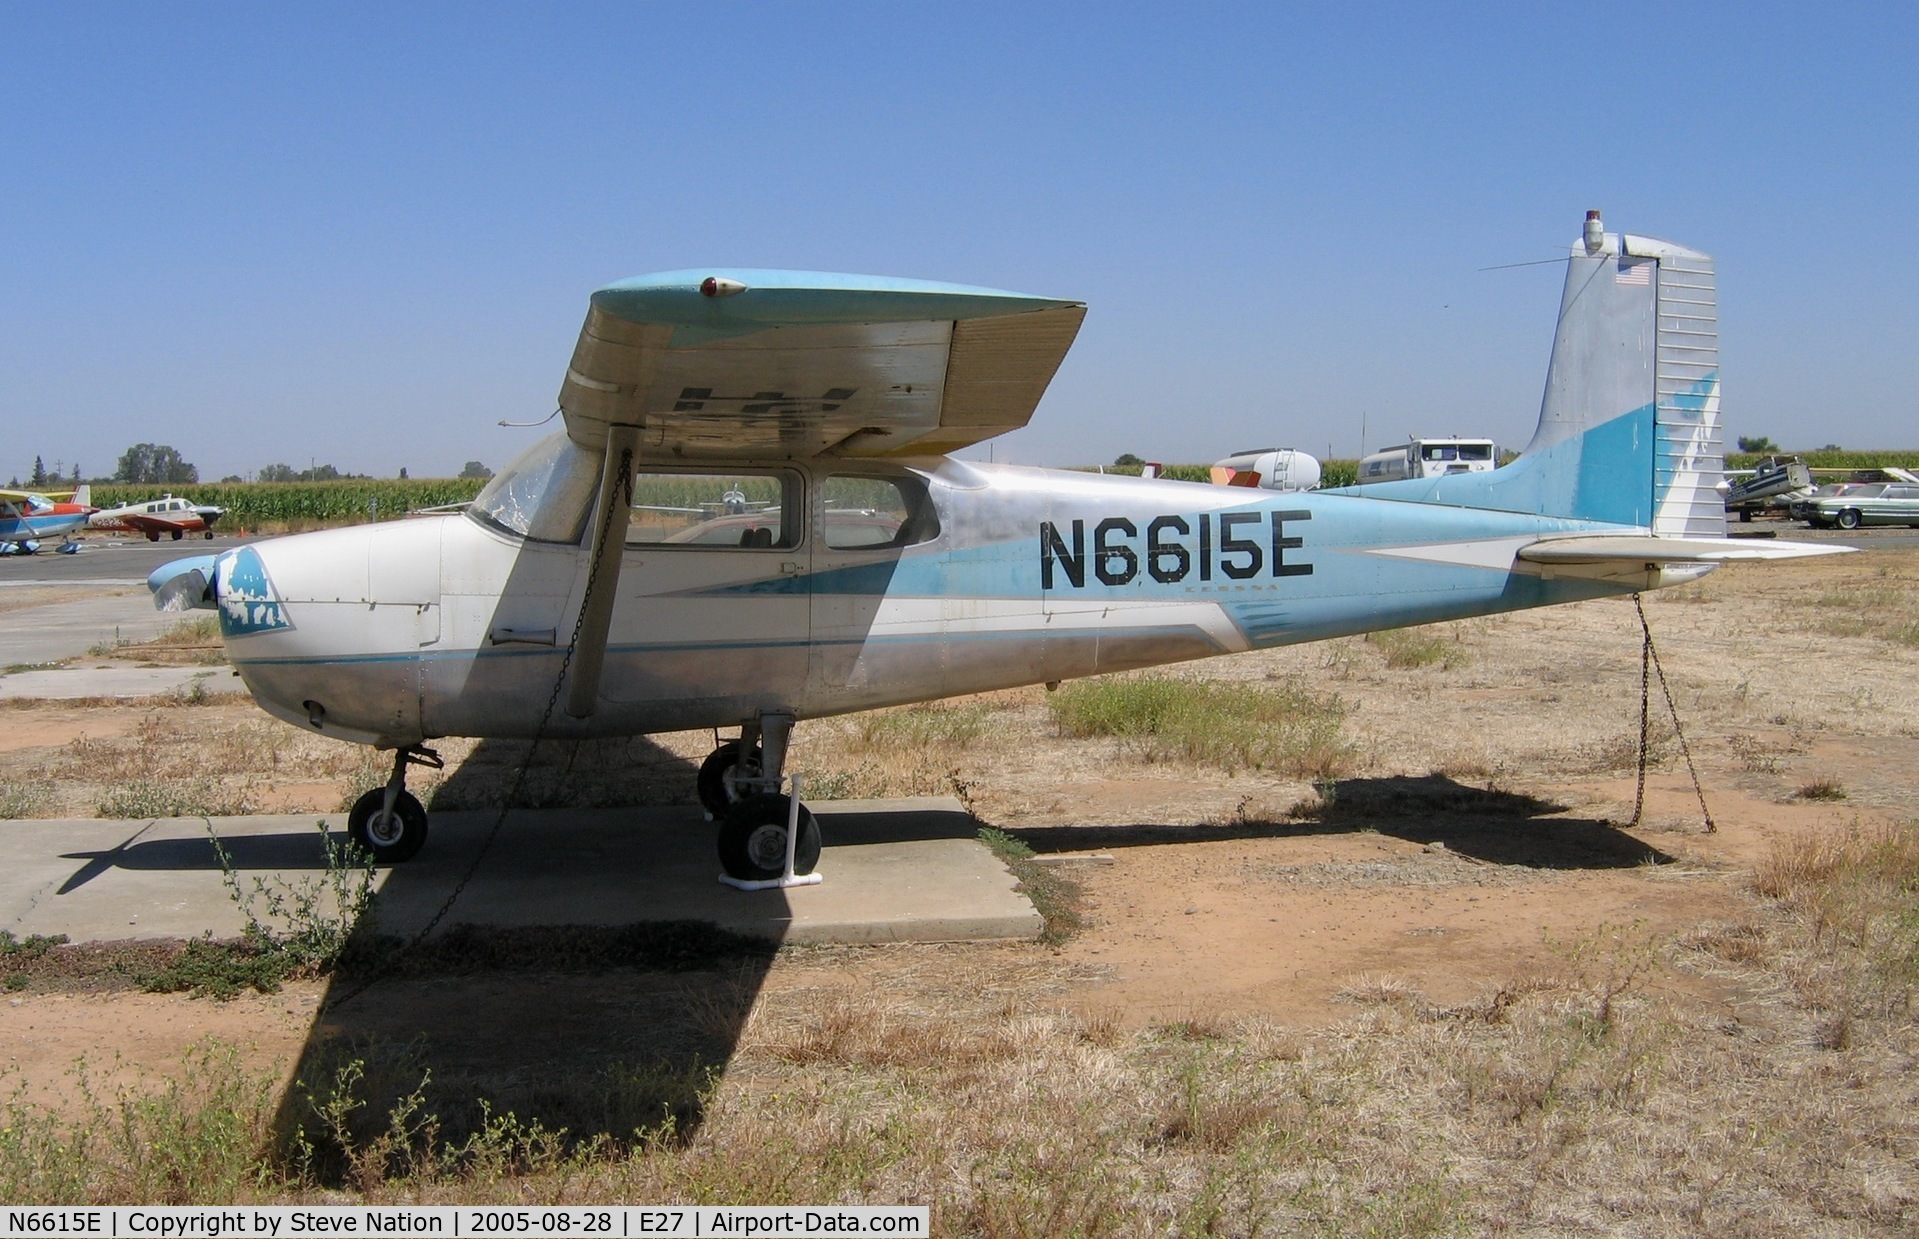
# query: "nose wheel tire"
753,839
392,838
715,784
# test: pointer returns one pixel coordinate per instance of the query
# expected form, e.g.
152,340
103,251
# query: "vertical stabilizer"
1629,426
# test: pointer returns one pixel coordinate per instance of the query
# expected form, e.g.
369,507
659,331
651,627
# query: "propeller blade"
184,584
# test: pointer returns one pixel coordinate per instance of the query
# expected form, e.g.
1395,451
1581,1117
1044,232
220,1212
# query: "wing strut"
610,518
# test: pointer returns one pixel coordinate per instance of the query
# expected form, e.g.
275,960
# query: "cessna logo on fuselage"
1237,546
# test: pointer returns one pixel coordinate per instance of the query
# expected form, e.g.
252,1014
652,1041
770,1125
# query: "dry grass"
194,642
168,765
1822,789
911,751
1590,1098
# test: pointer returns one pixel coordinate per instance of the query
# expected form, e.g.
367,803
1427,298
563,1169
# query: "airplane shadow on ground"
601,1030
1498,827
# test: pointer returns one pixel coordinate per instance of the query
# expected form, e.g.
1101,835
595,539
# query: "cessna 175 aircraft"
583,593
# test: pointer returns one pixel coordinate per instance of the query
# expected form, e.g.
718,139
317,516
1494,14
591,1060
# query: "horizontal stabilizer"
1601,548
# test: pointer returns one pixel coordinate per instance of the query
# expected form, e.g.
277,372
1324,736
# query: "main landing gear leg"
730,773
767,839
390,822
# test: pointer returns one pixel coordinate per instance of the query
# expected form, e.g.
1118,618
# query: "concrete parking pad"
70,683
895,871
69,629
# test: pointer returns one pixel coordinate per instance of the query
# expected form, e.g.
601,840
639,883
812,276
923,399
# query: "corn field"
277,505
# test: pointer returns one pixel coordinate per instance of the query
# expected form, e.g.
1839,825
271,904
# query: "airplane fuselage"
59,520
393,633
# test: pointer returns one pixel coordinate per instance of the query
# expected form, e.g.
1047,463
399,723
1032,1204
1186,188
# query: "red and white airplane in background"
165,515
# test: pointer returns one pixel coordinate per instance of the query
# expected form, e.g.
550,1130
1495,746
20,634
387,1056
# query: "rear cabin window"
861,512
748,511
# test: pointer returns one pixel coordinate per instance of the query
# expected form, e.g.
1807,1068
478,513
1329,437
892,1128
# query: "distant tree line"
158,464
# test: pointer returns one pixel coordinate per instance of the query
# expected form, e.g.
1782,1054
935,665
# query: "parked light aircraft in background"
166,515
882,572
26,517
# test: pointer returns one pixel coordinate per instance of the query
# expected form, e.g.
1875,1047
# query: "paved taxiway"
895,871
116,607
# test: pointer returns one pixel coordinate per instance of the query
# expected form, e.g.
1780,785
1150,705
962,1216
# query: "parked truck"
1428,458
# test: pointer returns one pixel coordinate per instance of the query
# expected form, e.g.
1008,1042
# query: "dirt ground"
1476,836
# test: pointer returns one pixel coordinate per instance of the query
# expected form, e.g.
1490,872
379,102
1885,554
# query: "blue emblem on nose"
248,601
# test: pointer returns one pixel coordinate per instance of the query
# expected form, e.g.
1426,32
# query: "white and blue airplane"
587,591
27,517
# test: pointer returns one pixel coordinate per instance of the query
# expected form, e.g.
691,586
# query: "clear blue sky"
362,234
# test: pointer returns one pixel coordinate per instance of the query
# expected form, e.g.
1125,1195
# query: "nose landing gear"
390,822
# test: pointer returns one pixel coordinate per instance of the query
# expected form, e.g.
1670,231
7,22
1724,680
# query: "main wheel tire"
753,839
1849,518
153,535
392,839
715,784
178,534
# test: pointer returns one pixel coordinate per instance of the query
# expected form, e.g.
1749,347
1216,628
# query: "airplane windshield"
544,493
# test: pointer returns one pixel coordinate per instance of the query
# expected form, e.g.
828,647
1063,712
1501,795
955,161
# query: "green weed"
1055,898
198,797
1405,648
33,946
25,797
301,927
1285,729
199,1138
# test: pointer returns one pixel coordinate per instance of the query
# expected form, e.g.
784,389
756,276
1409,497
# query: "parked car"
1801,507
1873,503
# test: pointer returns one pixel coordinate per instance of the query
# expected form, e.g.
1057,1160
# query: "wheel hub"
385,829
766,847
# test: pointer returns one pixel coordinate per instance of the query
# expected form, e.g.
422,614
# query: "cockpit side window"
862,512
544,495
746,509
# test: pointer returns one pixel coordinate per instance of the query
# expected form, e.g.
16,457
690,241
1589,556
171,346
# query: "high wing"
729,363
